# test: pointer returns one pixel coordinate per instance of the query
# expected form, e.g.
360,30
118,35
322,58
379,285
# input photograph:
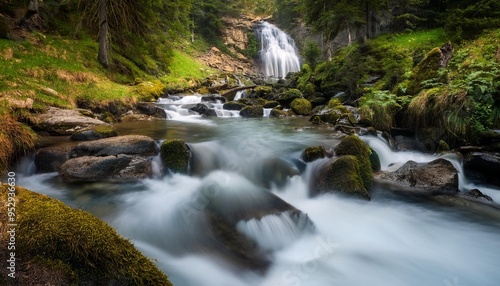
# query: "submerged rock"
64,246
176,155
438,176
108,168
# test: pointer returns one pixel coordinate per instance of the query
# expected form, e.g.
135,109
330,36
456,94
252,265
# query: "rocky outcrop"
483,166
107,168
58,121
438,176
64,246
129,144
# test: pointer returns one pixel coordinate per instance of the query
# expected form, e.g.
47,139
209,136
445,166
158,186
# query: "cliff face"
236,40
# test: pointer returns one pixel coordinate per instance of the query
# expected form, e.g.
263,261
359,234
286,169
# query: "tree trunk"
103,34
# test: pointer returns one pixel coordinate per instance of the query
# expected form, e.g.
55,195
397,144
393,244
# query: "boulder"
204,110
340,175
108,168
252,111
314,153
483,166
353,145
233,105
176,155
49,159
301,106
94,133
151,109
213,98
277,113
271,104
275,172
290,95
438,176
129,144
60,245
58,121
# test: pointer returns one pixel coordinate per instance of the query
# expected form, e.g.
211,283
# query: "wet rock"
252,111
94,133
108,168
477,195
151,109
58,121
483,166
405,143
233,105
353,145
290,95
213,98
438,176
275,172
50,159
204,110
314,153
271,104
176,155
277,113
301,106
129,144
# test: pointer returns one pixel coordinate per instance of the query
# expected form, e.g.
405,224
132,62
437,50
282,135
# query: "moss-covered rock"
64,246
176,155
427,69
263,91
442,147
301,106
94,133
313,153
353,145
374,160
277,113
342,175
271,104
233,105
288,96
252,111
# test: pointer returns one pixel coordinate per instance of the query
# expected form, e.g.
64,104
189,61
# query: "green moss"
334,102
353,145
289,95
176,154
301,106
263,90
344,175
77,243
252,111
442,147
149,90
374,160
313,153
426,70
277,113
234,105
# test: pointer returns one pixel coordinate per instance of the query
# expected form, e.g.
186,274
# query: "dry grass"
16,139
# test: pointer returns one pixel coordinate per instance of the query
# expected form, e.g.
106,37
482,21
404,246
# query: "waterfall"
278,52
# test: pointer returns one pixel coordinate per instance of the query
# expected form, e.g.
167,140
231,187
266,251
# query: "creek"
391,240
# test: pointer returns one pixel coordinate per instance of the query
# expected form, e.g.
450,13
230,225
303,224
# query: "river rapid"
393,239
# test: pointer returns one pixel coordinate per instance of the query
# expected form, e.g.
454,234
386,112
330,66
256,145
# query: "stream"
390,240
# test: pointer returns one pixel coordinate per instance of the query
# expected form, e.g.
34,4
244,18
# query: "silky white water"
387,241
278,53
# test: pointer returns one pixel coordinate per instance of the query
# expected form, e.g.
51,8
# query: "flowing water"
238,167
278,53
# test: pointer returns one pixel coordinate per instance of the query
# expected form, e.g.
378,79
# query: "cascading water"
278,52
250,173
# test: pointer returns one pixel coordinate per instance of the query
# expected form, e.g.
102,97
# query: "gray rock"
108,168
483,166
49,159
58,121
438,176
129,144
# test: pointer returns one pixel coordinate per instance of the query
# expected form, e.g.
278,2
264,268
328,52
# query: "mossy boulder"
277,113
64,246
176,155
342,175
353,145
374,160
234,105
288,96
301,106
314,153
427,69
271,104
94,133
263,91
252,111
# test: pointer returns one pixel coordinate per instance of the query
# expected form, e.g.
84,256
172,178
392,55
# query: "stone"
129,144
311,154
252,111
107,168
151,109
233,105
483,167
94,133
204,110
58,121
438,176
301,106
50,159
176,155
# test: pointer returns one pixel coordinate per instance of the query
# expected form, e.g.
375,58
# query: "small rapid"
249,174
